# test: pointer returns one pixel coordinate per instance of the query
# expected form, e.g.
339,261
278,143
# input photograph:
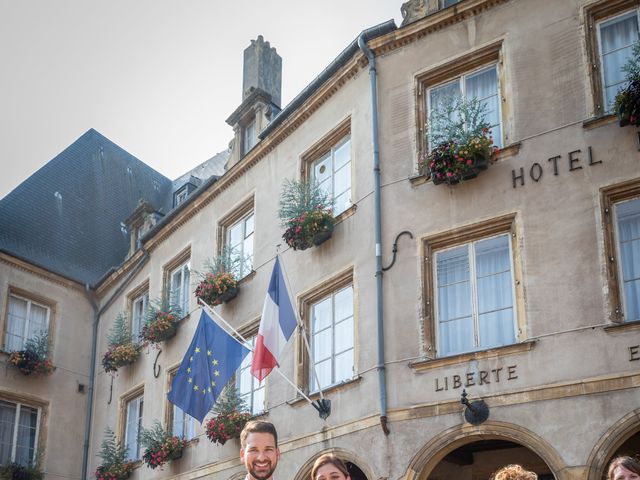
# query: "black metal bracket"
156,367
477,412
395,248
110,391
323,406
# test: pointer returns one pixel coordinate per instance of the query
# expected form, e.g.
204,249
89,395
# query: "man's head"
259,449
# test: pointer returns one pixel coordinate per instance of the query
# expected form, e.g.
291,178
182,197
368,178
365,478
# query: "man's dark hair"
257,426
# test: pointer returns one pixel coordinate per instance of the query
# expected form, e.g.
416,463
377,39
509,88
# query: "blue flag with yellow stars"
209,363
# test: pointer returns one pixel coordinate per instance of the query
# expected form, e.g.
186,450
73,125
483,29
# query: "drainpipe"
377,230
94,345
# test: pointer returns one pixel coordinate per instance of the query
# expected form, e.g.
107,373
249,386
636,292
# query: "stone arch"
423,463
611,441
304,472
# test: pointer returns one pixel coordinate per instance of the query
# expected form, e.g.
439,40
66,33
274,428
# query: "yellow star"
197,349
195,387
216,373
208,353
203,391
215,362
209,389
190,380
191,359
189,370
213,384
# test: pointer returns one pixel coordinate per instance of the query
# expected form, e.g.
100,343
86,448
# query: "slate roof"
67,216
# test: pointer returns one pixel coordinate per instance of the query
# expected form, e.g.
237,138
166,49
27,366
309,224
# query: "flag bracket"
323,406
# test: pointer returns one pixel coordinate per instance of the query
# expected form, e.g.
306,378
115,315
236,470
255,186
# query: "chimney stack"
262,69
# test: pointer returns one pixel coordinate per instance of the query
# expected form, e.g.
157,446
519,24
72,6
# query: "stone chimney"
262,70
261,87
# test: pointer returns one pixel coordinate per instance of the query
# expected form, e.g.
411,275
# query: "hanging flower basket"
225,426
121,471
217,288
118,356
32,360
112,453
15,471
310,228
160,326
453,163
627,105
160,446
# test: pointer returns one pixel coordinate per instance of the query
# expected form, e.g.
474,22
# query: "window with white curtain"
182,424
240,245
481,84
133,422
616,37
475,296
249,137
332,171
18,433
251,390
332,339
139,308
25,319
179,288
628,243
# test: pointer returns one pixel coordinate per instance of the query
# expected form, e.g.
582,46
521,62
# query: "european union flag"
209,363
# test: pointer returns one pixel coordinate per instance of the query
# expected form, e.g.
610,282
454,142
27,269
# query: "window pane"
321,314
482,84
342,155
16,324
341,203
344,366
322,345
323,370
342,180
628,215
496,328
7,424
178,421
322,169
248,225
26,441
344,335
493,269
37,320
258,401
454,288
235,235
456,336
343,301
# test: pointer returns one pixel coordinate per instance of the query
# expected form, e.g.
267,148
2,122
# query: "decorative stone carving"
413,10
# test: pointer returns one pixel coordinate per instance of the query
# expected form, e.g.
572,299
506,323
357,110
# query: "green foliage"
632,67
120,333
153,437
15,471
162,305
457,120
229,401
229,261
300,197
112,452
38,344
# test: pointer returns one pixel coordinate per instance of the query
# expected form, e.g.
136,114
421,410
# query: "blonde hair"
627,462
329,458
514,472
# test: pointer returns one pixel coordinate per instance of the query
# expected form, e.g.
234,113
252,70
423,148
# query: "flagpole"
304,333
248,345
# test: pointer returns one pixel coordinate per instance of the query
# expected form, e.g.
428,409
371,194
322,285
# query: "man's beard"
265,475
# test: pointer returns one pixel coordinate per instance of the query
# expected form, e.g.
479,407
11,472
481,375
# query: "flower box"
15,471
217,288
452,163
118,471
163,451
227,425
160,326
309,229
118,356
30,362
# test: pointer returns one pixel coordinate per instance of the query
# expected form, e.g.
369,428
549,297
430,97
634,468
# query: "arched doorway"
479,459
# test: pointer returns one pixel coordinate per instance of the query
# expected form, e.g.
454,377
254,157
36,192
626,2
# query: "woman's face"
328,471
621,473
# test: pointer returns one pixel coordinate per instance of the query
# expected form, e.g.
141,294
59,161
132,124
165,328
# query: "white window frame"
188,422
249,396
313,382
616,233
137,322
14,438
245,269
138,400
460,79
183,291
27,320
474,294
347,166
249,136
612,19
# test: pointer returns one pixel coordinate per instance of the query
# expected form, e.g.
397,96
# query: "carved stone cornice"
39,272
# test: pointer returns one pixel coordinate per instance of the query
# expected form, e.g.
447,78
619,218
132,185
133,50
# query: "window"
139,308
182,425
616,38
250,389
482,85
627,215
133,422
18,433
179,288
475,299
181,196
240,245
249,137
332,171
26,319
448,3
332,339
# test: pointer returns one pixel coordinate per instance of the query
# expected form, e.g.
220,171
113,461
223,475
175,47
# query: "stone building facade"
519,287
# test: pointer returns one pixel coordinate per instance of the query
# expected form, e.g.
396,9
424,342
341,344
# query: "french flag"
276,326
